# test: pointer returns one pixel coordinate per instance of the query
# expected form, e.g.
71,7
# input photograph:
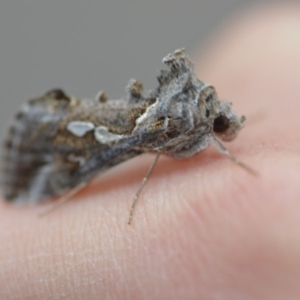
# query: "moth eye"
221,124
58,94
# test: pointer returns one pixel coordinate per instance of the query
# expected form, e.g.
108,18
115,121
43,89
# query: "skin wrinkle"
183,202
176,273
72,262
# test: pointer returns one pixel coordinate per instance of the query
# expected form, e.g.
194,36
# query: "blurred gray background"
87,46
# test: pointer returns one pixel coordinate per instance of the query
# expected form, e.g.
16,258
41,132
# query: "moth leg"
63,199
143,183
224,151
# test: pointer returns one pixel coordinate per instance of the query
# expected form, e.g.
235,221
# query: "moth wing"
48,179
43,160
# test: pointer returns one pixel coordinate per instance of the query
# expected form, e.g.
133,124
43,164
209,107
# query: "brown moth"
59,143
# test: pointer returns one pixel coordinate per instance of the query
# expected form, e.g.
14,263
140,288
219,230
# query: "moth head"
227,123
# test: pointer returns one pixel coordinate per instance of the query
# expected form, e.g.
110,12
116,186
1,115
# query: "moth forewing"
53,140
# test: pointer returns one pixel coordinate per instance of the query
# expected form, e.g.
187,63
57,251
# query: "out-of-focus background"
87,46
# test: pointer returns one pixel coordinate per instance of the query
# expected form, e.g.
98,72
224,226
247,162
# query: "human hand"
203,227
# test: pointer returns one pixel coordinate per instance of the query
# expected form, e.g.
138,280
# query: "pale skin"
203,227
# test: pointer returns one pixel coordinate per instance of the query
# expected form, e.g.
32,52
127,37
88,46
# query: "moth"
58,143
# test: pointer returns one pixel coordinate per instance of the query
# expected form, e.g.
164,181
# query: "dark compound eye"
221,124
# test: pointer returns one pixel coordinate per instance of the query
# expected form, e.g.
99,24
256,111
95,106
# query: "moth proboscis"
58,143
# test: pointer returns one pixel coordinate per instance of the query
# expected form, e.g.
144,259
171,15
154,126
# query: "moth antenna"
143,183
224,151
63,199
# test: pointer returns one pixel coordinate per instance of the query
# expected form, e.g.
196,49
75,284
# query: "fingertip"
265,38
254,62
